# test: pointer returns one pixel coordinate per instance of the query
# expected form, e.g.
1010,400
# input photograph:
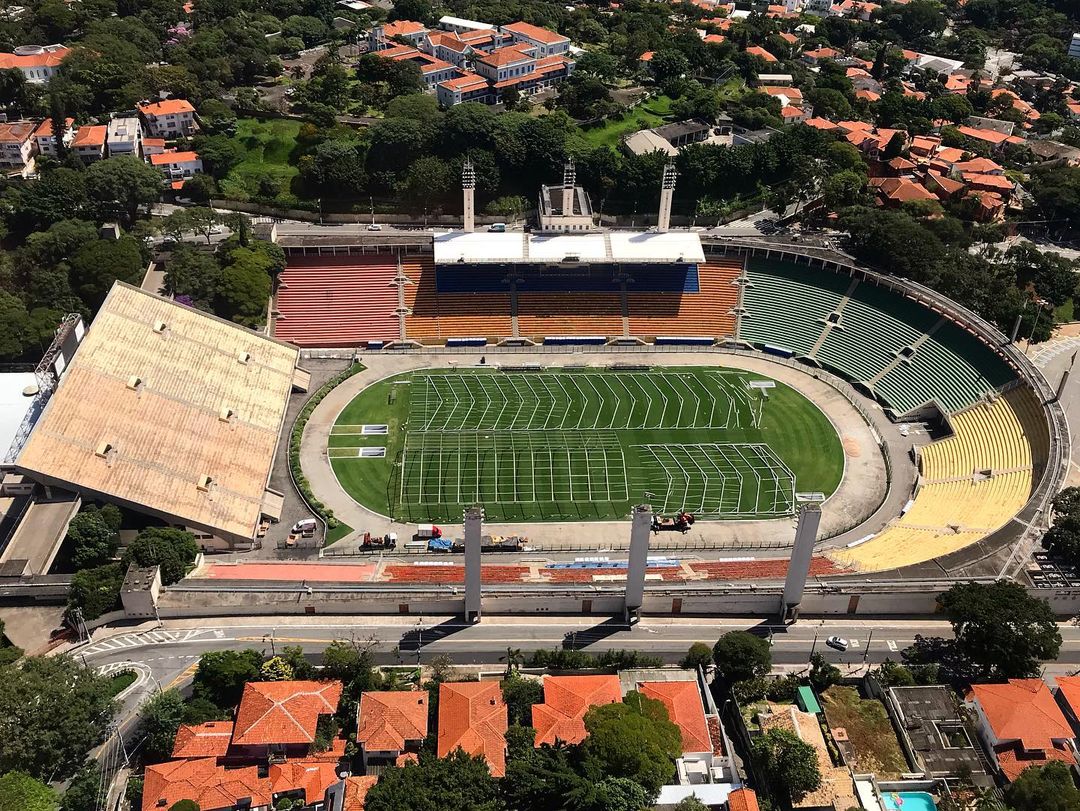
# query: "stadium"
557,378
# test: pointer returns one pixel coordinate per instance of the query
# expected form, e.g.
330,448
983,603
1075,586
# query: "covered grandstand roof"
168,410
632,247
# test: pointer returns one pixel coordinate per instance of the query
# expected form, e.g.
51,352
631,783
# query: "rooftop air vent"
205,483
160,327
104,449
226,414
135,383
243,357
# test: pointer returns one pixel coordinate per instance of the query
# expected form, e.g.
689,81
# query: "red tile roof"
389,719
167,107
990,136
16,131
1069,689
902,190
682,699
468,82
45,128
566,700
715,39
822,53
313,777
173,157
1022,710
211,786
91,136
504,56
472,716
1012,760
790,39
757,50
820,124
867,95
742,799
203,740
980,165
535,32
283,712
356,789
49,59
402,28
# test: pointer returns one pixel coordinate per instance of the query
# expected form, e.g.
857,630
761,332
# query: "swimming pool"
908,801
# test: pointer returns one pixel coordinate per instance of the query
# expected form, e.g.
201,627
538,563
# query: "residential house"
472,717
44,139
895,191
178,166
743,799
124,136
279,718
1020,725
152,146
566,700
817,55
391,723
17,143
387,35
89,142
934,734
793,115
761,53
172,118
995,139
433,69
39,63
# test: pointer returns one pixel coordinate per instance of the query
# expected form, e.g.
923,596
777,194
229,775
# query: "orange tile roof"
647,56
985,181
389,719
50,59
406,757
792,93
535,32
950,155
1069,689
91,136
790,39
283,712
313,777
177,157
167,107
203,781
402,28
981,165
682,700
822,53
867,95
946,184
45,128
504,56
472,716
757,50
16,131
1022,710
1013,761
715,39
468,82
566,700
152,141
820,124
902,190
356,789
742,799
790,112
990,136
203,740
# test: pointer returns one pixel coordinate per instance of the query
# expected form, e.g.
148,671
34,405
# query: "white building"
39,63
17,144
178,166
546,43
124,136
462,26
1074,46
171,118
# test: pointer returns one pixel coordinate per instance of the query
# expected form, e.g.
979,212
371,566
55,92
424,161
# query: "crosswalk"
145,638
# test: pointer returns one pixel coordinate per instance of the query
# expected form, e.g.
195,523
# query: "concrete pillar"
474,530
667,192
569,181
1016,328
801,552
1065,377
640,530
468,189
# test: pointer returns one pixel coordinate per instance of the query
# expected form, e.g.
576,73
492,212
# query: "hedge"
299,479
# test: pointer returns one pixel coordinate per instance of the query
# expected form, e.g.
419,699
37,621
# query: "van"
497,227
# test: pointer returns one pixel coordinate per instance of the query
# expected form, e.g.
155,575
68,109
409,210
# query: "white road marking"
892,644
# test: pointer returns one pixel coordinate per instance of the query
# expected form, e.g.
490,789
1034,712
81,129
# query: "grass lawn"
1066,312
269,146
337,533
119,682
650,113
583,445
869,731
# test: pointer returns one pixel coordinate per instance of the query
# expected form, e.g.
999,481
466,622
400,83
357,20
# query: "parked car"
837,643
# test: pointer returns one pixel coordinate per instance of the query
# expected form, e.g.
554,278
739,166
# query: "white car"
374,227
837,643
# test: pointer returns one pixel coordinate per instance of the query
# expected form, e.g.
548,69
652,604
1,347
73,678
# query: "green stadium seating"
787,304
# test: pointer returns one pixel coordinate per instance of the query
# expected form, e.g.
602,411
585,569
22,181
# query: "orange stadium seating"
337,300
450,315
706,313
576,313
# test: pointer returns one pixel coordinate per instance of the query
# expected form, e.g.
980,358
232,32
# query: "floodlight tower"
801,553
640,529
474,528
468,190
667,191
569,179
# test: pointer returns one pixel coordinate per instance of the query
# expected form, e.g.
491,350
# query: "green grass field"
269,146
577,444
648,114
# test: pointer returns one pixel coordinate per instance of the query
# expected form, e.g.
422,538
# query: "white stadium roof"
635,247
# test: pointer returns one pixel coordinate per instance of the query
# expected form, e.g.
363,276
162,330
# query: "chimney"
468,189
667,191
568,182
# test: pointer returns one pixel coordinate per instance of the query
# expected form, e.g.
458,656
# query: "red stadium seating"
541,314
438,316
337,300
704,313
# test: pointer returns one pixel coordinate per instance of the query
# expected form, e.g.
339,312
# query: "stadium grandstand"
171,412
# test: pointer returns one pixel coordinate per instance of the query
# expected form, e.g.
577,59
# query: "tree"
1067,502
634,739
609,794
159,719
59,194
1044,788
740,655
53,711
15,330
203,220
192,273
124,183
1001,629
93,541
698,656
455,783
520,693
893,674
668,64
84,791
1063,538
21,792
276,669
172,549
96,591
100,263
691,803
823,675
221,675
219,153
244,287
790,765
184,805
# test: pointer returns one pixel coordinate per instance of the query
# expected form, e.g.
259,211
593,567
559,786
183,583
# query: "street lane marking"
892,644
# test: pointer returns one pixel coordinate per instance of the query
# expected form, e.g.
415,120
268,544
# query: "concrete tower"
474,528
468,190
667,191
640,530
569,178
799,565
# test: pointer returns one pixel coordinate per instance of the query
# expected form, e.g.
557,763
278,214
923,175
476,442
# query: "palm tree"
514,659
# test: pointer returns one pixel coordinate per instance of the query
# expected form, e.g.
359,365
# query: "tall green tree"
159,719
634,739
21,792
1044,788
125,185
96,591
16,335
84,790
455,783
53,711
221,675
172,549
739,655
789,764
93,541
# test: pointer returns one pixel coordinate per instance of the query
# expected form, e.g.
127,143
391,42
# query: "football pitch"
582,444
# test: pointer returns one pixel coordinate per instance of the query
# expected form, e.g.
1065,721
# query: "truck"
387,541
428,531
680,523
488,543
